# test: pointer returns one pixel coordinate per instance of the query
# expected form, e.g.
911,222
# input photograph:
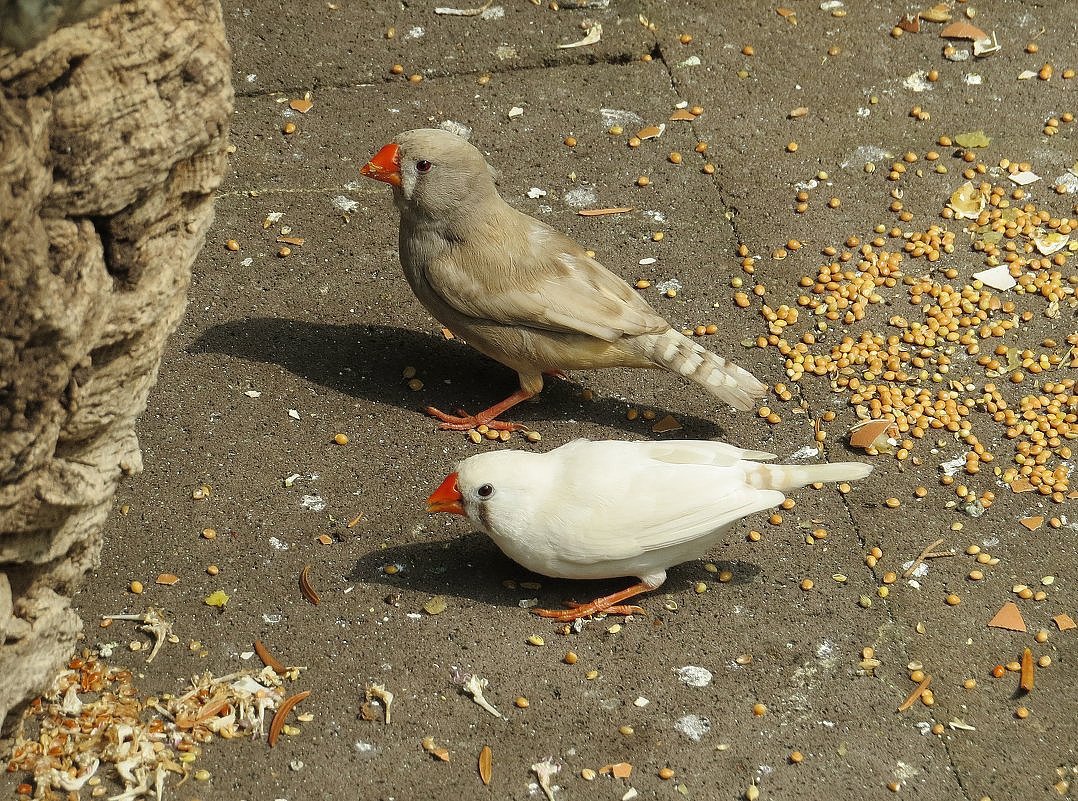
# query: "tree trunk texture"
112,141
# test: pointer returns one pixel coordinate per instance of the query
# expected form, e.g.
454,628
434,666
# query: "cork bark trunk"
112,141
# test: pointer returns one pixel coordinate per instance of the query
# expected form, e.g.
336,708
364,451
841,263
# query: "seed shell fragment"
282,714
486,764
305,586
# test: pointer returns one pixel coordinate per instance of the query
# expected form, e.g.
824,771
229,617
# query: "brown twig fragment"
268,659
920,558
1025,680
917,692
305,586
279,717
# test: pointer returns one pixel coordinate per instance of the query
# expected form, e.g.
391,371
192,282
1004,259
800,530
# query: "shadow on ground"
366,362
472,567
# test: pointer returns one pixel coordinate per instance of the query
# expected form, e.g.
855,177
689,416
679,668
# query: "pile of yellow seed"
907,374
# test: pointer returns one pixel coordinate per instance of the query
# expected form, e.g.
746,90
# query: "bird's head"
434,173
496,491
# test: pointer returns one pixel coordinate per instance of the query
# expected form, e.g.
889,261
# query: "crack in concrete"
549,63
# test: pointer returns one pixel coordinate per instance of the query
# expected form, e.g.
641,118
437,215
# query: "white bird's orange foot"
462,421
608,604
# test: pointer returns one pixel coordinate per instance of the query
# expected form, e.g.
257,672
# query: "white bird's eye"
485,491
423,166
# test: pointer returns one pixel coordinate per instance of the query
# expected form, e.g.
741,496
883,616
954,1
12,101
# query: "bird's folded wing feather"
541,279
660,506
699,452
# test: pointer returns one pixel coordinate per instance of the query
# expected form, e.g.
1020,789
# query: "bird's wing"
530,275
621,509
710,452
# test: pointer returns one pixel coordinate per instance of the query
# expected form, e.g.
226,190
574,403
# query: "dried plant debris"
95,719
378,693
153,623
435,750
545,771
594,34
474,685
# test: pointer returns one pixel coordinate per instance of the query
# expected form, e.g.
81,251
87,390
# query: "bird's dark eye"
423,166
485,491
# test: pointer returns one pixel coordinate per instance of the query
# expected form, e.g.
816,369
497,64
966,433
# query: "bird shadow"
472,567
367,360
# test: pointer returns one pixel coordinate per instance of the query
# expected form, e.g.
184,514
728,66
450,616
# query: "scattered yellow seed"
893,503
643,180
232,245
569,658
969,684
284,251
136,587
806,584
213,570
685,38
591,675
699,587
975,575
796,757
791,147
759,710
953,600
675,157
202,775
725,576
588,775
521,702
666,774
1021,713
209,534
397,69
570,141
341,439
1041,636
1044,661
415,78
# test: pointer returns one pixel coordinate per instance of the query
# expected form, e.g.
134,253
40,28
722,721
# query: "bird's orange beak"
446,498
385,166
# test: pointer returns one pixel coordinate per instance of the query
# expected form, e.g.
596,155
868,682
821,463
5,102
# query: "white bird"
517,290
598,510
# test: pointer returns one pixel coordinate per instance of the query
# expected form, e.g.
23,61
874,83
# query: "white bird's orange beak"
385,166
446,498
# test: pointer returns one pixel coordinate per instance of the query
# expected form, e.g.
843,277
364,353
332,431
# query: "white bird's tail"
785,477
723,379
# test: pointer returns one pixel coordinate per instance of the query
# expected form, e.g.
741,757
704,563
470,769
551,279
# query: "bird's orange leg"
611,604
463,422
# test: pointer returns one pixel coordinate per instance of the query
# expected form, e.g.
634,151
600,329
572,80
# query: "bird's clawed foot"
610,604
577,611
462,421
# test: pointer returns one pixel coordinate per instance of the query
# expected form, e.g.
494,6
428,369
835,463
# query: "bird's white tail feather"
784,477
723,379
